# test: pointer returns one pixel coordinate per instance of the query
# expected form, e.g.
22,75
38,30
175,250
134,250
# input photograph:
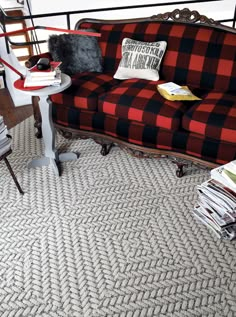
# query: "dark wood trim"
176,16
37,116
133,149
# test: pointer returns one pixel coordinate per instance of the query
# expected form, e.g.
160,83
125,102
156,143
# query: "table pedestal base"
51,156
47,161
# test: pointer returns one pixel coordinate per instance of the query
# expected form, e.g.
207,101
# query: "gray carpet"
113,236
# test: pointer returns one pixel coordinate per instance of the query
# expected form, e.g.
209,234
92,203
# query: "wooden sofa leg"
106,149
37,116
180,165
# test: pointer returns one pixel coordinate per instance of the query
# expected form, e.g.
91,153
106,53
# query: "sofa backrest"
197,55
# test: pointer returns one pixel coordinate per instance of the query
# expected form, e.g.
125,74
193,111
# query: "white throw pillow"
140,59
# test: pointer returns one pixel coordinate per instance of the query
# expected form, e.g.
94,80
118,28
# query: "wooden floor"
12,115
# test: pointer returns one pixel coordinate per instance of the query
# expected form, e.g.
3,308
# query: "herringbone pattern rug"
113,236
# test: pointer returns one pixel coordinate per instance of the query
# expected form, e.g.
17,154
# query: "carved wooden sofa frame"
106,141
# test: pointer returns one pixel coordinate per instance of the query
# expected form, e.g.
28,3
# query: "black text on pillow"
140,59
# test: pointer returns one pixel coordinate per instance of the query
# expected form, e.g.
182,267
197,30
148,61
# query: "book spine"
6,147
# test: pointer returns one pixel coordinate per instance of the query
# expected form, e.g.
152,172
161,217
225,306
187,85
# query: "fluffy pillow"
78,53
140,59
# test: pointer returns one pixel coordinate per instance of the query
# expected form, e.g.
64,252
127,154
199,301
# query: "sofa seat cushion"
138,100
140,134
85,89
213,117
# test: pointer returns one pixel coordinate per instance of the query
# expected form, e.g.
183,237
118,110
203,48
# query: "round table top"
51,90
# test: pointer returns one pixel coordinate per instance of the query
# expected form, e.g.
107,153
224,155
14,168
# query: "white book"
228,233
200,212
231,167
3,132
3,141
218,213
216,174
174,89
169,87
211,214
43,74
4,149
42,78
230,177
47,82
2,126
223,195
206,221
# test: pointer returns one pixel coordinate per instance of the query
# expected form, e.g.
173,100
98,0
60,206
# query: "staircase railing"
7,53
4,18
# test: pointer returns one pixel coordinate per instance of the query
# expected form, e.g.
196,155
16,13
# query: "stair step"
14,13
17,47
23,58
19,24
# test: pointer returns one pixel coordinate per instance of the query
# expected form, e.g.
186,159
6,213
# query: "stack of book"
41,78
216,205
5,139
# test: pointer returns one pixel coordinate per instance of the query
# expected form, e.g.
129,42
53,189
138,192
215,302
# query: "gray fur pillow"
78,53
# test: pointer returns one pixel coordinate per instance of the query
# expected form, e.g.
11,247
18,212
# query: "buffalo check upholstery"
200,57
214,117
196,55
149,136
139,100
85,89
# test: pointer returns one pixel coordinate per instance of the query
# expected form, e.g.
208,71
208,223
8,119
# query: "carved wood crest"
186,16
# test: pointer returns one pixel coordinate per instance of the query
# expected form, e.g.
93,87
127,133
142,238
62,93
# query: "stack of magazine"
5,139
216,205
41,78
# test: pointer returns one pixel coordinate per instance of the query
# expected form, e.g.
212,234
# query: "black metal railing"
4,18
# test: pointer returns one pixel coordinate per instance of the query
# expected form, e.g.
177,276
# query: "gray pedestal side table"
51,156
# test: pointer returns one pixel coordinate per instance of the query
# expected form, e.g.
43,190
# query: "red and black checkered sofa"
200,54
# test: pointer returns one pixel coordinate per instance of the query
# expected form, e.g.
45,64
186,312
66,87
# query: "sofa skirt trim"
107,141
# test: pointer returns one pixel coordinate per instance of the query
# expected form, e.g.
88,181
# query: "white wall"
216,10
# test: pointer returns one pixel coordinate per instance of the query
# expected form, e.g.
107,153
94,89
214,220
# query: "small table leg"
37,117
51,155
13,176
